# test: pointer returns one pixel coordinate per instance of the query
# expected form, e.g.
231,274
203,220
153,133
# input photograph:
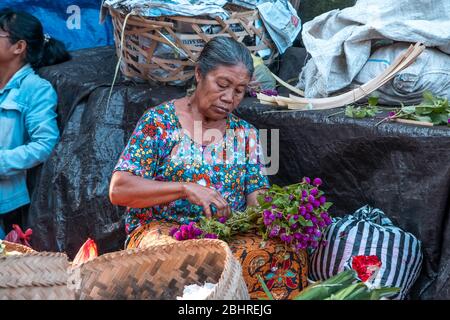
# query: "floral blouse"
160,149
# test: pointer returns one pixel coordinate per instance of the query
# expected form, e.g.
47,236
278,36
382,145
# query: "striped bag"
369,232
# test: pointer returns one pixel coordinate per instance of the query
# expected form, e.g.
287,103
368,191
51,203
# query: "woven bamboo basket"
34,275
165,49
161,272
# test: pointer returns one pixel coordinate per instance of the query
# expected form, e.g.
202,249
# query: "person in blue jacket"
28,125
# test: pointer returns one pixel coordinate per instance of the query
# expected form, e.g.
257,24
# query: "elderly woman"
191,156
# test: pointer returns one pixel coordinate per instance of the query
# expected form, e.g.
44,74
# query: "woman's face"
9,51
221,90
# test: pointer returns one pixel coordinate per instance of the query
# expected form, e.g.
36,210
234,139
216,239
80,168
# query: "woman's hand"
203,196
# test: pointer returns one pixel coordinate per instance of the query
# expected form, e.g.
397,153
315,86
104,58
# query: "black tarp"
402,169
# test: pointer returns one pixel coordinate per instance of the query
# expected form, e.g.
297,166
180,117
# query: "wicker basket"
34,275
149,54
161,272
11,246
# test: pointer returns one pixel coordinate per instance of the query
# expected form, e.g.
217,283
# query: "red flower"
365,266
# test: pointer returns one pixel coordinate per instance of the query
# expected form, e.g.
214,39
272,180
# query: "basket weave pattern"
143,36
161,272
33,275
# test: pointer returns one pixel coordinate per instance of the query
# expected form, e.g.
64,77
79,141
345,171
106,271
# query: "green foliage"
363,111
238,222
343,286
434,110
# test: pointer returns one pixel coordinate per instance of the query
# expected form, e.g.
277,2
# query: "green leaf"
409,109
373,101
438,119
265,288
327,205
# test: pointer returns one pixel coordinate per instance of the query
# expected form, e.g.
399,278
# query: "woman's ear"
198,75
21,47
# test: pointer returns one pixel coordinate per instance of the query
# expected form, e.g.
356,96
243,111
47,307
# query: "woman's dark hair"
40,51
224,51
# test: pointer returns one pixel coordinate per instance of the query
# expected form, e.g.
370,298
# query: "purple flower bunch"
190,231
296,214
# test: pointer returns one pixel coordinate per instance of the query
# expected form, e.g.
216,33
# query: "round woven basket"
34,275
161,272
165,49
11,246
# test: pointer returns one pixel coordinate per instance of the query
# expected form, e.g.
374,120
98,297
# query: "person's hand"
206,197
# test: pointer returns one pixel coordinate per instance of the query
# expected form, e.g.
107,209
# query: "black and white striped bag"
369,232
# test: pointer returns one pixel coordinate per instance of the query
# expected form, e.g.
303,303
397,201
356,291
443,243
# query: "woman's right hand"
203,196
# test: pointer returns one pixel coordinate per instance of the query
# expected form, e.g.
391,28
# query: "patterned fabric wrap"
284,271
369,232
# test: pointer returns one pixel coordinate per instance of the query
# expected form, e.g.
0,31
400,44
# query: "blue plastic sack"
74,22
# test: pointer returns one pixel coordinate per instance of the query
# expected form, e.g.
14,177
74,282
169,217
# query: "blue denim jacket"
28,133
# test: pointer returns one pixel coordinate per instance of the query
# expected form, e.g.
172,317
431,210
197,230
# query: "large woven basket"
149,51
161,272
34,275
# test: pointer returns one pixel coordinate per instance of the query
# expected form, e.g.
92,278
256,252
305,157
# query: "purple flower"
267,222
311,199
317,182
266,213
274,232
314,220
279,215
288,239
295,217
317,233
302,210
271,216
283,237
321,224
211,236
310,230
298,236
391,114
223,219
304,193
322,199
324,215
328,221
274,206
313,244
294,226
316,203
268,199
307,216
307,180
172,231
300,245
178,236
197,232
314,192
309,207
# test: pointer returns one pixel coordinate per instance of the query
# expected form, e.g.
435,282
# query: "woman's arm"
133,191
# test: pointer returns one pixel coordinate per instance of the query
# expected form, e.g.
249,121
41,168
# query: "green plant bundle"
343,286
237,223
432,109
363,111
